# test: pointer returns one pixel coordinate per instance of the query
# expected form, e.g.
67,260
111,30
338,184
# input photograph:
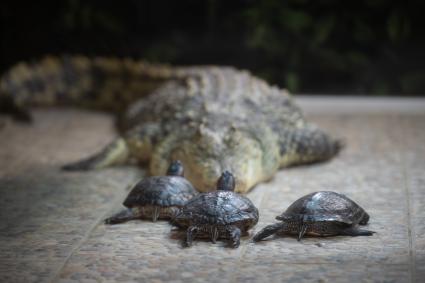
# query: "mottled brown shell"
161,191
325,206
218,208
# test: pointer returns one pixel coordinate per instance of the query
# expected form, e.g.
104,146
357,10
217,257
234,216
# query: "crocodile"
212,118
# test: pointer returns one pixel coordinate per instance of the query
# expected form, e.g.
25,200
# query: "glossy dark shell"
218,208
325,206
161,191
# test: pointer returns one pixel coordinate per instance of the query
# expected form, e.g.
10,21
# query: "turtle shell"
325,206
218,208
161,191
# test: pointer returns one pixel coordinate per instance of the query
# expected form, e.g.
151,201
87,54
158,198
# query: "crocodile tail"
102,83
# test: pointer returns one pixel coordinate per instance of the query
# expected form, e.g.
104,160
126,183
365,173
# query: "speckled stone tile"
415,187
56,137
381,169
369,171
359,174
46,213
336,272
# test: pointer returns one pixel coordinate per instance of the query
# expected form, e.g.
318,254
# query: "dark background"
322,46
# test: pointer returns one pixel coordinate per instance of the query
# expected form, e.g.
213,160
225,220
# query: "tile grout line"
412,254
242,253
86,236
410,228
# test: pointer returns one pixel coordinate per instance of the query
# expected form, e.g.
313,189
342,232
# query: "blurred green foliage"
321,46
363,46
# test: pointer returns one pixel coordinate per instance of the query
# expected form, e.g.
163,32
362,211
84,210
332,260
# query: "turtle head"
226,182
176,169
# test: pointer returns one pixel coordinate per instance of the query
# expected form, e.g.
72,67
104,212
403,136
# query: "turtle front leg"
214,234
155,213
190,235
302,229
269,230
115,153
235,235
122,216
365,219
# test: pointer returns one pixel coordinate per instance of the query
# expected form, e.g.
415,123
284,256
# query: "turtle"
218,214
212,118
158,197
323,213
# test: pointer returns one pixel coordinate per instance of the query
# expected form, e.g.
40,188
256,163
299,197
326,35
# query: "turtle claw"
214,234
190,235
155,213
302,231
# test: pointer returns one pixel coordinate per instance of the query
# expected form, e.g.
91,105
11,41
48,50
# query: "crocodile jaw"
205,158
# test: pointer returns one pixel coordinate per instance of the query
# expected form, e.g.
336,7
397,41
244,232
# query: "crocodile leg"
115,153
137,143
307,145
141,140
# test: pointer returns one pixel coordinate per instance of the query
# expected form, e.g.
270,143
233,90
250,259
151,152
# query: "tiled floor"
51,221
